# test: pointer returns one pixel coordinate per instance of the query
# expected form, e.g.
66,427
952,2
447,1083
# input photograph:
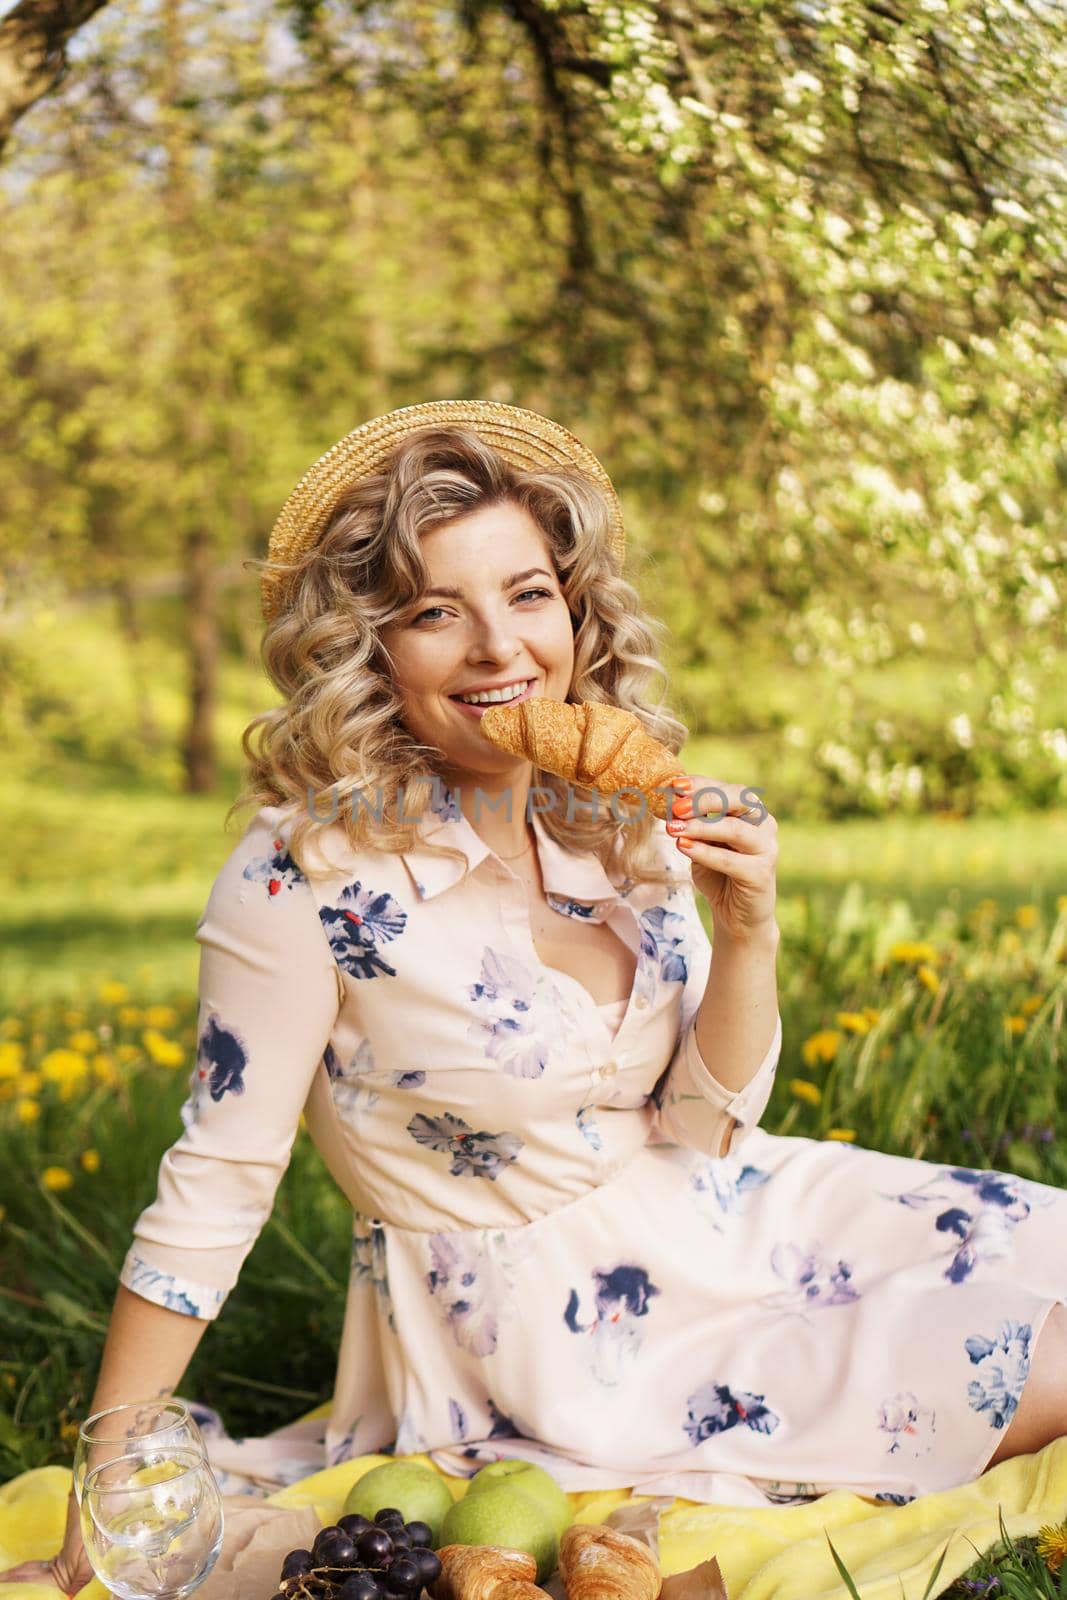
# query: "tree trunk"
203,624
130,628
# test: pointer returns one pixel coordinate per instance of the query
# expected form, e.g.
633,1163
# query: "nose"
494,639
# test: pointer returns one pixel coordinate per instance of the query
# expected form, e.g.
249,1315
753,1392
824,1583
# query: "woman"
492,996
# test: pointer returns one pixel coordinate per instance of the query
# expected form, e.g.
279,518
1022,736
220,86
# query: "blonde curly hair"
339,730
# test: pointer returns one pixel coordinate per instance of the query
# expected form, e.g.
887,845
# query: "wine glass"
152,1528
145,1425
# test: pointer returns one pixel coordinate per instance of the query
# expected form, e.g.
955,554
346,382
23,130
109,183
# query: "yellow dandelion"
73,1019
64,1067
928,977
28,1083
806,1091
912,950
1035,1002
129,1016
84,1040
1010,941
846,1135
8,1089
11,1059
1027,916
1052,1545
104,1070
69,1431
56,1178
820,1047
90,1160
853,1021
160,1016
10,1027
1061,903
112,993
127,1053
164,1052
27,1111
872,1014
1015,1024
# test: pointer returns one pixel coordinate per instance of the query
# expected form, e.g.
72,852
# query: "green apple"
532,1480
421,1494
503,1515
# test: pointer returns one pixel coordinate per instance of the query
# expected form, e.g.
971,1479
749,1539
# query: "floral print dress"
551,1257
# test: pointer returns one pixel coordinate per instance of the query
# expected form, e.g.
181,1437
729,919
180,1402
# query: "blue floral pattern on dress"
716,1408
471,1275
164,1289
369,1263
620,1296
583,909
355,927
721,1190
982,1217
814,1278
909,1424
457,1420
588,1128
521,1025
1005,1364
221,1058
278,871
352,1093
474,1155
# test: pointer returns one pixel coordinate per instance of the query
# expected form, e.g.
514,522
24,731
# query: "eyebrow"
516,577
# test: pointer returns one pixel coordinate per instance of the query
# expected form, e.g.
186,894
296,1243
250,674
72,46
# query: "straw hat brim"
524,438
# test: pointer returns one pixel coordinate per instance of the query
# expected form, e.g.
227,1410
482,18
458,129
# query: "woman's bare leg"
1042,1411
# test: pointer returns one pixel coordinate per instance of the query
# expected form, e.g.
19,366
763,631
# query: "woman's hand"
69,1570
734,852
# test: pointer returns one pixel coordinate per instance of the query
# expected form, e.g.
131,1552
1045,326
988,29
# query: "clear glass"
146,1425
152,1527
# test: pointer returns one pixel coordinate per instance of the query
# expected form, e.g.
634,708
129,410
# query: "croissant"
486,1572
595,746
598,1563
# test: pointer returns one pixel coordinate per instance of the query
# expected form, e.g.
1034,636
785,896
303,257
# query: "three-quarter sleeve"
269,995
692,1107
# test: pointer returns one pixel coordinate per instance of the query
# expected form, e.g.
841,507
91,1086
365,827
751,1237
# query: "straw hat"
524,438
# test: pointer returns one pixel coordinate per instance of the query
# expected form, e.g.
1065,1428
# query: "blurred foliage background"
794,270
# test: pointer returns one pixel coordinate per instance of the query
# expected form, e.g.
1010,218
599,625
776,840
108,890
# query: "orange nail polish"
683,807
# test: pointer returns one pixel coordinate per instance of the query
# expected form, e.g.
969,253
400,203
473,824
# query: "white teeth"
495,696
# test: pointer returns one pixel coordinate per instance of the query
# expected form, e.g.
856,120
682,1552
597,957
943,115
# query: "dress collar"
571,877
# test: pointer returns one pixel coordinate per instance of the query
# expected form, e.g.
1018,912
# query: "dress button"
610,1070
641,1003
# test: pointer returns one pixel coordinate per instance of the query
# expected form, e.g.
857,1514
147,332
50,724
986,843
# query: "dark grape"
296,1563
400,1537
354,1524
360,1586
333,1548
429,1564
404,1576
375,1547
420,1534
389,1514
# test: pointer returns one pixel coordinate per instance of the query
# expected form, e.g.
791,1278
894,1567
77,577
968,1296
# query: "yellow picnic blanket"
771,1553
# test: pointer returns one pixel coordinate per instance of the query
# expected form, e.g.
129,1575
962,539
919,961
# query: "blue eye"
546,593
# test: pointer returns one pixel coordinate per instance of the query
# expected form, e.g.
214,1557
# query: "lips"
479,711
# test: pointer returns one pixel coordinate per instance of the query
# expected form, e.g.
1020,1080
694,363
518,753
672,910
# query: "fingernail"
684,784
677,827
683,806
